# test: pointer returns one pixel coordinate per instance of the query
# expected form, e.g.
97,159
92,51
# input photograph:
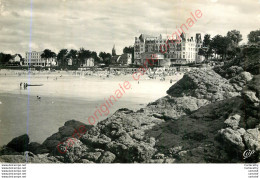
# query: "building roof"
13,56
144,37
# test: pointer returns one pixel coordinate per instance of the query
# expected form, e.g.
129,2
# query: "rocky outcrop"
20,150
107,157
193,138
20,143
203,85
169,107
37,148
123,136
70,128
228,72
172,130
197,88
240,80
251,96
28,157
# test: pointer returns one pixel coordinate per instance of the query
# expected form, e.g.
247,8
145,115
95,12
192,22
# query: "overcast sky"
99,24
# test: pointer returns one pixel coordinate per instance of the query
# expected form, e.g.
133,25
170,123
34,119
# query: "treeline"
77,56
226,46
4,58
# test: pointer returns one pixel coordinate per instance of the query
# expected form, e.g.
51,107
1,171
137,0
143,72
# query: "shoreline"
78,109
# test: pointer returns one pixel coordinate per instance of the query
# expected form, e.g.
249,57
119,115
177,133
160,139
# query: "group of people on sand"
23,85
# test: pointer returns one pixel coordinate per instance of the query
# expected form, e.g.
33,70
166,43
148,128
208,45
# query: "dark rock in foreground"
64,133
20,143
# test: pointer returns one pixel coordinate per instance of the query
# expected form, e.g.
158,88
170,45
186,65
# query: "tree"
4,58
220,45
48,54
235,37
202,52
95,56
106,57
254,36
206,49
83,54
62,57
73,55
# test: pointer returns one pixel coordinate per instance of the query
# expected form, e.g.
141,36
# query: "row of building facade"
34,59
168,52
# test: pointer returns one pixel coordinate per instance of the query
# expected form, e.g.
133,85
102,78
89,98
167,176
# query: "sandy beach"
65,96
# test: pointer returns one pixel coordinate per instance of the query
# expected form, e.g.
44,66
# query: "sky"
97,25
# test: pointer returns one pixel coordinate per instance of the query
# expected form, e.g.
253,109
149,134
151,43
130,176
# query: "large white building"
34,59
184,50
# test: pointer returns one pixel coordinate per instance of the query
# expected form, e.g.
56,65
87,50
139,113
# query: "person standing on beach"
21,85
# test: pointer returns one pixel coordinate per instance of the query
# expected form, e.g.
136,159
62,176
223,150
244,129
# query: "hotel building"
169,51
34,59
